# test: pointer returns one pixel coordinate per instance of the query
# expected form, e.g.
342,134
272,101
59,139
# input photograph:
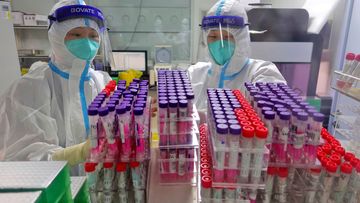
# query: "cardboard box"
29,20
17,17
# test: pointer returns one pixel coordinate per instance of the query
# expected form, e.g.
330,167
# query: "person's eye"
75,34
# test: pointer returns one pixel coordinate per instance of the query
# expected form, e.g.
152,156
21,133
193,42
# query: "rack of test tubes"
347,81
211,192
234,149
335,179
294,125
177,128
118,164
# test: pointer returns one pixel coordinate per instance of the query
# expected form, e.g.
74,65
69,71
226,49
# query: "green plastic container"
79,190
50,177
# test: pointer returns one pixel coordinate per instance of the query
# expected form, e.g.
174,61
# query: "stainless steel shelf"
33,57
23,27
348,93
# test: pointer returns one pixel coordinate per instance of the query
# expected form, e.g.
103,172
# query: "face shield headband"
209,22
78,11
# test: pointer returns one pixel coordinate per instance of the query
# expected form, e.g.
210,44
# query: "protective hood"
60,55
242,38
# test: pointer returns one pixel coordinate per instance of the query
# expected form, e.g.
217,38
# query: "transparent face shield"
104,59
219,36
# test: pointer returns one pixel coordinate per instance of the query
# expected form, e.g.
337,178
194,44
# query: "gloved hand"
74,154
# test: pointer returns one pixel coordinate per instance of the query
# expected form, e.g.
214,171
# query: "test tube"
261,134
281,185
348,69
111,120
233,140
314,136
312,182
181,169
247,136
93,118
206,187
328,180
124,132
163,121
269,120
108,175
283,136
104,123
122,176
221,136
217,194
190,156
172,164
140,134
173,115
138,174
269,183
164,164
299,137
183,124
342,183
92,174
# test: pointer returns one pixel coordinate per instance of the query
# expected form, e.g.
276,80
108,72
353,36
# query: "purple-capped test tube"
283,137
299,137
173,118
184,128
140,133
93,118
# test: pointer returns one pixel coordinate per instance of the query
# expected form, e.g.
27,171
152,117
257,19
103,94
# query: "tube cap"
235,129
245,123
346,168
108,164
316,170
340,150
302,116
285,115
261,132
336,159
318,117
283,172
206,181
138,111
354,162
90,167
350,56
111,107
326,148
348,156
120,109
269,115
248,131
222,128
134,164
173,103
92,111
331,167
183,103
271,170
103,111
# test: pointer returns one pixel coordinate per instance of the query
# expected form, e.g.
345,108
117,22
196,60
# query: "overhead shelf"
33,57
23,27
346,85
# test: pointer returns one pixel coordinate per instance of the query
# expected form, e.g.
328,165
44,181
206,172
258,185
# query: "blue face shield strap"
83,97
224,77
61,73
225,21
78,11
219,8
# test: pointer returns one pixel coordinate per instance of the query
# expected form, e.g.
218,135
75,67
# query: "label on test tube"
123,196
247,138
172,156
235,132
182,156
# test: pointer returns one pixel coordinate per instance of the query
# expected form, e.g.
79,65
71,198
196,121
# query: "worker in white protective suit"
227,39
44,114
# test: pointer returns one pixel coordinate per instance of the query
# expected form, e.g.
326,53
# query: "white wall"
9,63
33,6
354,31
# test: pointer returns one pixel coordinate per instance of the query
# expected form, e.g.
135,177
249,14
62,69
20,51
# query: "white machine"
163,59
